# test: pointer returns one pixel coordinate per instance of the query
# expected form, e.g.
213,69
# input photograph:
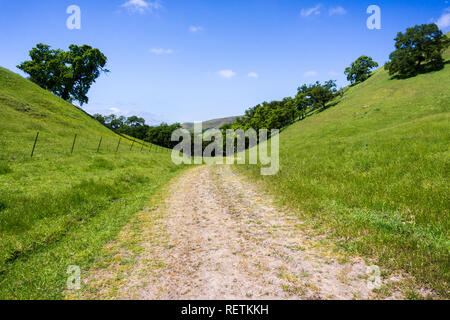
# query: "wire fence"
41,145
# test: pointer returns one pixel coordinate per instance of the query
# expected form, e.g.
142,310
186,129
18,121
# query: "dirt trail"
224,240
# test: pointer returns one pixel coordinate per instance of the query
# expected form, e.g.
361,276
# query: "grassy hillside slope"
59,209
373,171
26,109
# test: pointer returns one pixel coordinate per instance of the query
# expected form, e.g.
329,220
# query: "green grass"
60,209
373,171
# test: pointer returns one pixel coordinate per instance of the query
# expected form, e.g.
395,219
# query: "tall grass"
60,212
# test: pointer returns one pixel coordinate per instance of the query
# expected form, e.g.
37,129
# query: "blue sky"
192,60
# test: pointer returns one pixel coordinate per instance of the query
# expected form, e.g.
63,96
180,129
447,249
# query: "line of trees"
279,114
136,127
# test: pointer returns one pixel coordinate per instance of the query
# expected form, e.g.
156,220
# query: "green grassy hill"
24,103
26,109
59,209
373,171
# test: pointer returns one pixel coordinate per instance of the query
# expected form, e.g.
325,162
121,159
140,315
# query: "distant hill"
215,123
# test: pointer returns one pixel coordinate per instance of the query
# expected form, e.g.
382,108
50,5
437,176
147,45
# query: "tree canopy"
360,69
420,44
268,115
68,74
135,126
316,95
162,135
280,114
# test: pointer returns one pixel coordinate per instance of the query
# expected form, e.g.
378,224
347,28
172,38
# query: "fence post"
34,145
118,145
73,145
132,144
142,147
99,144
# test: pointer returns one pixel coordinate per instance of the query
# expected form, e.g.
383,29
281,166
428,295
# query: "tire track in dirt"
228,242
217,236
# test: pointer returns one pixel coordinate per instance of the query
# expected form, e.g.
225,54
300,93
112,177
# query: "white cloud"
253,75
227,74
444,20
160,51
309,74
337,11
311,11
142,6
119,112
194,29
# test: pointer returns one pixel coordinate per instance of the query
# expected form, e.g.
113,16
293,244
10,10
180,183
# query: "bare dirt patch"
216,236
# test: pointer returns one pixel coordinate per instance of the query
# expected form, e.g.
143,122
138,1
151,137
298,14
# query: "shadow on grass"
354,84
423,69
